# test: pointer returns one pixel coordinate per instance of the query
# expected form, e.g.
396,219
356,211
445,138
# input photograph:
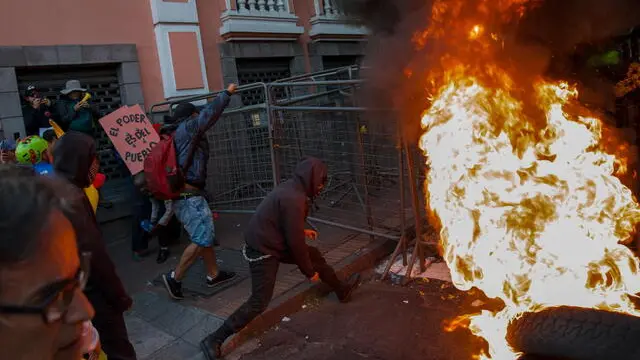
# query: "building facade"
147,51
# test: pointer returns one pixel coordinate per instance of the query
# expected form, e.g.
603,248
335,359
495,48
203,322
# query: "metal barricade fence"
322,119
255,146
240,170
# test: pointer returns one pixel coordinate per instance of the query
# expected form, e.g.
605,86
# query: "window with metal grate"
101,81
265,70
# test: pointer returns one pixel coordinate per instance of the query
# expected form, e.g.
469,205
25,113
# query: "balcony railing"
262,7
260,19
329,9
329,24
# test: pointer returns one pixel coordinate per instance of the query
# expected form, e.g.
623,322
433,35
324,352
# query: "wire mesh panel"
240,168
362,154
269,128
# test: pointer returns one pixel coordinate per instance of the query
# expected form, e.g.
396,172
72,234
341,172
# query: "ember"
531,211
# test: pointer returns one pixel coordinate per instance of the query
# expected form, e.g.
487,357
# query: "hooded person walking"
75,159
276,233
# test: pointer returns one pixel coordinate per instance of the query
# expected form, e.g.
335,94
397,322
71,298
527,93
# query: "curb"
292,300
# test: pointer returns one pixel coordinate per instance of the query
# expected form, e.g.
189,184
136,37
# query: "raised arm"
212,111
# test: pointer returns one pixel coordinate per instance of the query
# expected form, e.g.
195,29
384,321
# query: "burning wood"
531,210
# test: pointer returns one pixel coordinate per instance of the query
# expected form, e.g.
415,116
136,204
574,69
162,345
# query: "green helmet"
30,150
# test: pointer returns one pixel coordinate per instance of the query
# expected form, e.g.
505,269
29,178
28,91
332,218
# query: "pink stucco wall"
209,16
305,10
186,60
66,22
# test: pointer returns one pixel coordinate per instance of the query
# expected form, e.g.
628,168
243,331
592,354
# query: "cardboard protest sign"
132,134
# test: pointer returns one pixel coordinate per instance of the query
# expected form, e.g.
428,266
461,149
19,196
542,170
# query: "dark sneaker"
173,287
345,295
223,277
211,348
163,255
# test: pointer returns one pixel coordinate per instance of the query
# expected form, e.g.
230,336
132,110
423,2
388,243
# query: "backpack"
163,177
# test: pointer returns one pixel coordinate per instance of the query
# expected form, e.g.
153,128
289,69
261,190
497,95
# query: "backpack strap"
192,151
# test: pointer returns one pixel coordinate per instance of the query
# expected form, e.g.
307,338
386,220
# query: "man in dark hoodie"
276,233
189,127
75,159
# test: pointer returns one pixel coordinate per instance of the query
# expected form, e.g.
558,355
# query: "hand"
310,234
315,278
5,157
232,88
80,105
35,103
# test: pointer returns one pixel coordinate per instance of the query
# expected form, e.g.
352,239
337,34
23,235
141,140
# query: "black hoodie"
277,227
73,155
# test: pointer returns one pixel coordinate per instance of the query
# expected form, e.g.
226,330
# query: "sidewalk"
162,329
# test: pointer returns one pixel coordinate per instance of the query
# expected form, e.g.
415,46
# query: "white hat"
71,86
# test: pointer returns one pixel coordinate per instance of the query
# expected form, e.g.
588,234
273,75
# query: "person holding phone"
37,111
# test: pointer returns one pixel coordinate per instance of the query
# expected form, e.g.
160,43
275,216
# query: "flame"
530,209
476,32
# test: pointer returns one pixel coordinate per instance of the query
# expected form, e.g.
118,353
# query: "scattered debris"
286,319
436,269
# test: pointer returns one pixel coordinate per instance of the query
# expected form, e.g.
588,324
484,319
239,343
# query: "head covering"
29,150
182,111
31,91
73,155
312,173
8,145
71,86
49,135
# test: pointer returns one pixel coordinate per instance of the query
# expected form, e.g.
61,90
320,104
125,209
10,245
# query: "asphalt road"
383,322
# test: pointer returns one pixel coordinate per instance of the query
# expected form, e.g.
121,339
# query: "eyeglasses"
55,298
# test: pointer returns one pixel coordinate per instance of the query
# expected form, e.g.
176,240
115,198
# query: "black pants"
263,281
139,237
141,211
112,329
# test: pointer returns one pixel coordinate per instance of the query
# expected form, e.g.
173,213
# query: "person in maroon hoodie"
75,159
276,234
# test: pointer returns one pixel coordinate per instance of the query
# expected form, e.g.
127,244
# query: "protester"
42,308
37,111
192,208
75,160
34,151
50,137
166,233
7,151
276,233
75,112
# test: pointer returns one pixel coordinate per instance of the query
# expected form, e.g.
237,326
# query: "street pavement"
383,322
161,329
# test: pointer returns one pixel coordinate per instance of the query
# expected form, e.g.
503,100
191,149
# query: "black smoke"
548,34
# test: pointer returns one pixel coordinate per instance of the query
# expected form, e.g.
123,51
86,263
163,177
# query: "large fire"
531,214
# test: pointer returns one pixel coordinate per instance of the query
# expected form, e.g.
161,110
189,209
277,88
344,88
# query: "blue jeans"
196,217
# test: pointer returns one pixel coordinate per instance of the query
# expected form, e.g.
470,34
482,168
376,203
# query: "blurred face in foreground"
42,306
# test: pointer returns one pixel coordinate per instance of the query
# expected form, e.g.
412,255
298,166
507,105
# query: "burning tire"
577,334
